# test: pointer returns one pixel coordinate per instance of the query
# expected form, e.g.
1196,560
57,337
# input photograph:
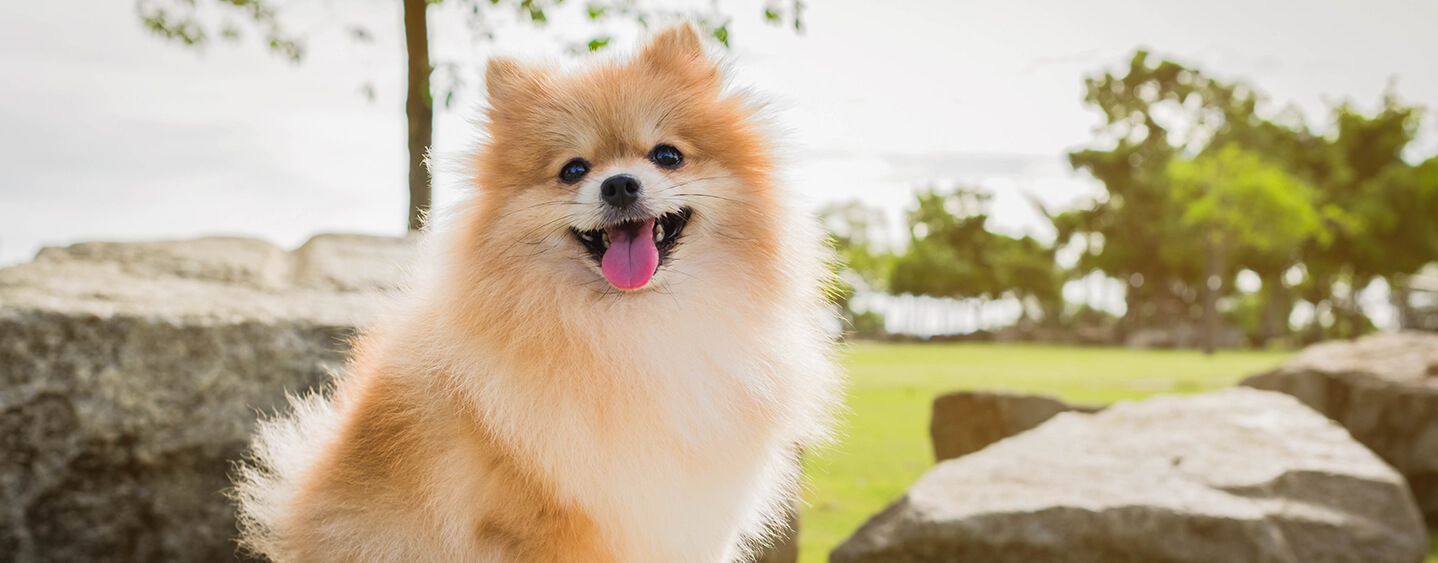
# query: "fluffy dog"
618,350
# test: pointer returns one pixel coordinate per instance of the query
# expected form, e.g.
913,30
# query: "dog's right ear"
505,77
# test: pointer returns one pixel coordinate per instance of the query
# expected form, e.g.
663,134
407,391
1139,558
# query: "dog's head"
627,178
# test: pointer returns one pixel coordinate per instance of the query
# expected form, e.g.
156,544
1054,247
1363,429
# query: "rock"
131,375
1384,389
1232,475
967,421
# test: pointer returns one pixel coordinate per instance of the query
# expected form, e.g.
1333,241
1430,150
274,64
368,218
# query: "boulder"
1233,475
1384,389
967,421
131,375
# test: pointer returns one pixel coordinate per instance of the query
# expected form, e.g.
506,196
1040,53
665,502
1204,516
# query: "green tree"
1388,210
952,254
1153,114
1373,210
946,237
1410,229
1231,198
196,23
1024,268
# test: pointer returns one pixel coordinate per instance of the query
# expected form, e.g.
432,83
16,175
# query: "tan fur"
516,407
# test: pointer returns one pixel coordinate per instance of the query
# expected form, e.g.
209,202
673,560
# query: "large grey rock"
131,375
1238,475
968,421
1384,389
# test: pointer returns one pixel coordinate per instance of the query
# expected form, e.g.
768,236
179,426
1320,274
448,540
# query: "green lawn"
884,441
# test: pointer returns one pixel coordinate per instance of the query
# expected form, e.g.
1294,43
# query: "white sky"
109,133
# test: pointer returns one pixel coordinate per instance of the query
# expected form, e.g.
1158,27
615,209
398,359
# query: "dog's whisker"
547,203
522,238
693,180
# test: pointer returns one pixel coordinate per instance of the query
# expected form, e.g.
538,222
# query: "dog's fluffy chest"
674,456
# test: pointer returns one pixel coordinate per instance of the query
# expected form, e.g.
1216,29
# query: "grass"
884,443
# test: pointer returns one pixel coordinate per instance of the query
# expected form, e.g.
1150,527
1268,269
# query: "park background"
1247,177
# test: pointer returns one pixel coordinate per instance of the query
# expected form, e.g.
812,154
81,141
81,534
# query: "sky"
108,132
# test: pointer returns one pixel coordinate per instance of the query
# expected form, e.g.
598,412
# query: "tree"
186,23
946,238
1192,170
1153,113
1025,269
1231,198
952,254
1387,210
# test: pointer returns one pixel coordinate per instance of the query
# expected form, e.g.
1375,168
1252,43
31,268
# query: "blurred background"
1094,200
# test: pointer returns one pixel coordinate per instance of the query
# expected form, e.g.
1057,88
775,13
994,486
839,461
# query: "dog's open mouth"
629,252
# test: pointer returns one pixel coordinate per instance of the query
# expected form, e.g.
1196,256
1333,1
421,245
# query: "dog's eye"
666,156
573,170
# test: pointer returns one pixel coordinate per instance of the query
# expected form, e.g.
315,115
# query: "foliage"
1152,114
190,23
1235,197
181,21
196,23
1192,170
952,254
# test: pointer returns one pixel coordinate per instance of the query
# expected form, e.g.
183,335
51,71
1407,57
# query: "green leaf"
722,34
598,43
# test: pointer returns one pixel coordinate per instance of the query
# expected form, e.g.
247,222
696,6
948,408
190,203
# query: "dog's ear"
679,50
504,77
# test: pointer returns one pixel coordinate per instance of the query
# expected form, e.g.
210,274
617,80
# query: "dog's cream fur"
518,408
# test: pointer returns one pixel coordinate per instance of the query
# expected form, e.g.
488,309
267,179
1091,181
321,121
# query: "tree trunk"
1398,294
419,108
1131,320
1277,307
1212,284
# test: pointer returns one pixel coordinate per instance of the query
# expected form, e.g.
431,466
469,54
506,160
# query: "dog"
615,351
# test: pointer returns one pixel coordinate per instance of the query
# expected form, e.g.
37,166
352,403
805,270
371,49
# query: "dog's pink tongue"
632,256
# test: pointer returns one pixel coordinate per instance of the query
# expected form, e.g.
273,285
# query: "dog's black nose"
620,190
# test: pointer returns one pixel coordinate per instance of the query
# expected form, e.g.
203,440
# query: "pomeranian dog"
618,349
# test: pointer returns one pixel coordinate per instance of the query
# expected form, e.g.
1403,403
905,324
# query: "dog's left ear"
679,50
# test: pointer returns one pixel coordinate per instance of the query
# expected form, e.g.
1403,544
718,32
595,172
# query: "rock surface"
1384,389
1235,475
131,375
968,421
